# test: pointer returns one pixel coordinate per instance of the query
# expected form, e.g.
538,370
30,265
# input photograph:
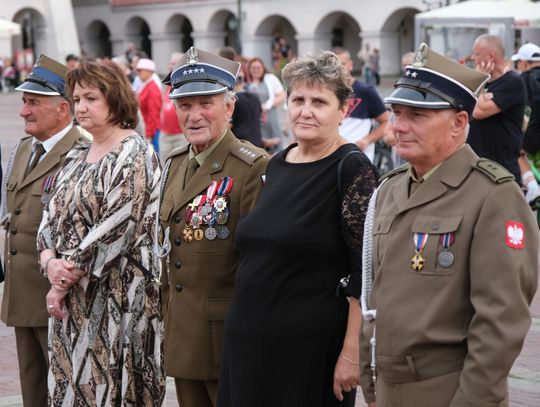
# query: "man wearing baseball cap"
451,256
28,184
208,186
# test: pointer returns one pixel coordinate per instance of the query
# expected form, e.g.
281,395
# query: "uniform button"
177,264
17,211
13,252
435,226
178,287
178,241
177,219
13,231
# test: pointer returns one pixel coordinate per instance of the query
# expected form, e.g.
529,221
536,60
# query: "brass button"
177,264
178,287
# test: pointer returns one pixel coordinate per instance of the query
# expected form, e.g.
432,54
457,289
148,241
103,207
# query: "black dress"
288,318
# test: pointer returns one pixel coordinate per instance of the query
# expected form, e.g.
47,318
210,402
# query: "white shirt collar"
49,144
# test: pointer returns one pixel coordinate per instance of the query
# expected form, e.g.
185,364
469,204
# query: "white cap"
148,64
527,52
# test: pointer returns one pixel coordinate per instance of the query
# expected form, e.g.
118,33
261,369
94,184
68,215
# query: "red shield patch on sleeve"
515,235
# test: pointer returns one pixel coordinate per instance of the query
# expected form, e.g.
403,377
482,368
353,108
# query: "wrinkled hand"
485,67
62,274
55,302
346,377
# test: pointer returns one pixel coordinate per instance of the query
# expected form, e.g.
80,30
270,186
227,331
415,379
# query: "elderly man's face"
203,119
426,137
42,115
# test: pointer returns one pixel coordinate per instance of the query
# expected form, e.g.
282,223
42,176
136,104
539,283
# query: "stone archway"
138,32
397,38
266,34
33,35
339,29
227,25
179,28
98,40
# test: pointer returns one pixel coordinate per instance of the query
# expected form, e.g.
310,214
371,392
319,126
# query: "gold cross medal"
417,261
187,234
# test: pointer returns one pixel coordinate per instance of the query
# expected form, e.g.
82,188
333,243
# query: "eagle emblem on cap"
192,56
420,57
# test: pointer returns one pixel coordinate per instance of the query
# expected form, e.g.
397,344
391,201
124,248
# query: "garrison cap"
199,73
433,81
48,77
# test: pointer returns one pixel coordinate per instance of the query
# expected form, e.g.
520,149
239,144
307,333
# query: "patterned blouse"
107,350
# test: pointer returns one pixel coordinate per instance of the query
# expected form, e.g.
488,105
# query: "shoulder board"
247,152
395,171
495,172
178,151
84,135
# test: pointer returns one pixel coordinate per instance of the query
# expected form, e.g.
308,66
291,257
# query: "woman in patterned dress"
96,244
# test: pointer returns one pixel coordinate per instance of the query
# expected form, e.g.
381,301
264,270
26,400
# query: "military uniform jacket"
23,304
198,284
472,314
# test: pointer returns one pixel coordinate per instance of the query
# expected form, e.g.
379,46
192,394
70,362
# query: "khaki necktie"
37,152
192,168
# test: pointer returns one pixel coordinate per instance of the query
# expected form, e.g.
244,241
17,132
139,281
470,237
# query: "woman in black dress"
292,333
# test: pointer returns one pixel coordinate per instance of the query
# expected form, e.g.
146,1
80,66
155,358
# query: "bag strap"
340,169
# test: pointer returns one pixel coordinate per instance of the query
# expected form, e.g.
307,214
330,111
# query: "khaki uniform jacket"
23,303
472,315
198,284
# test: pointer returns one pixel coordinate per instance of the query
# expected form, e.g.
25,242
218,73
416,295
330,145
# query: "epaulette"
247,152
495,172
178,151
84,136
395,171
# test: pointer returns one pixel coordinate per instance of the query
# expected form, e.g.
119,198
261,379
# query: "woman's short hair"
325,69
113,83
259,60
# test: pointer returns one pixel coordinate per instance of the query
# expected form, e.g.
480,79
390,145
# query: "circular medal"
222,232
445,259
220,204
206,209
222,217
187,234
196,220
45,198
198,234
210,233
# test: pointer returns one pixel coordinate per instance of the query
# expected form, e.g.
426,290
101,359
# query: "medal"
187,234
420,240
220,204
222,232
198,234
446,258
206,209
222,217
210,233
196,220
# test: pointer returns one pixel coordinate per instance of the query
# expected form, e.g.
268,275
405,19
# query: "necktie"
37,152
192,167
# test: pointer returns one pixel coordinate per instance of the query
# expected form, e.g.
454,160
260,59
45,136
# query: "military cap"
199,73
48,77
433,81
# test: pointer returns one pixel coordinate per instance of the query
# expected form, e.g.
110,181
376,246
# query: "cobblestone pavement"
524,378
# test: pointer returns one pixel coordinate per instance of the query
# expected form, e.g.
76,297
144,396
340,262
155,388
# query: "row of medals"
208,214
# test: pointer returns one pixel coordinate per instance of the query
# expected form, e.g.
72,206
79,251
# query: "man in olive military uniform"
454,254
29,180
208,186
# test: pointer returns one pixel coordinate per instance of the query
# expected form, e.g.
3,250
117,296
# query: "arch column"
209,41
163,45
389,50
258,46
313,43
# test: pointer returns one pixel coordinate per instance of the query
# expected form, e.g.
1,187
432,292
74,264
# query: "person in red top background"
150,102
171,135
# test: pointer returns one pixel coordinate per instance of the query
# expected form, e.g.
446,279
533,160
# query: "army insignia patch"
515,235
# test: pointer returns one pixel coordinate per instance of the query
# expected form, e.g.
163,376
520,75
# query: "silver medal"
222,232
210,233
445,259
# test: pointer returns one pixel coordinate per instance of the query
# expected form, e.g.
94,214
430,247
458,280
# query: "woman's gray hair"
325,69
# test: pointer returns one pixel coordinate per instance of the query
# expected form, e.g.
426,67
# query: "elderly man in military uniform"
454,254
207,187
29,180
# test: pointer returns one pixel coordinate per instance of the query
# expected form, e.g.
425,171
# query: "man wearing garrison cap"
207,186
451,254
28,183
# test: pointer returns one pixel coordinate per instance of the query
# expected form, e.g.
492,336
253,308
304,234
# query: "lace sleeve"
359,179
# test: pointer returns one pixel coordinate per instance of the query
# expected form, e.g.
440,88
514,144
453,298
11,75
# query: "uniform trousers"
32,352
196,393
